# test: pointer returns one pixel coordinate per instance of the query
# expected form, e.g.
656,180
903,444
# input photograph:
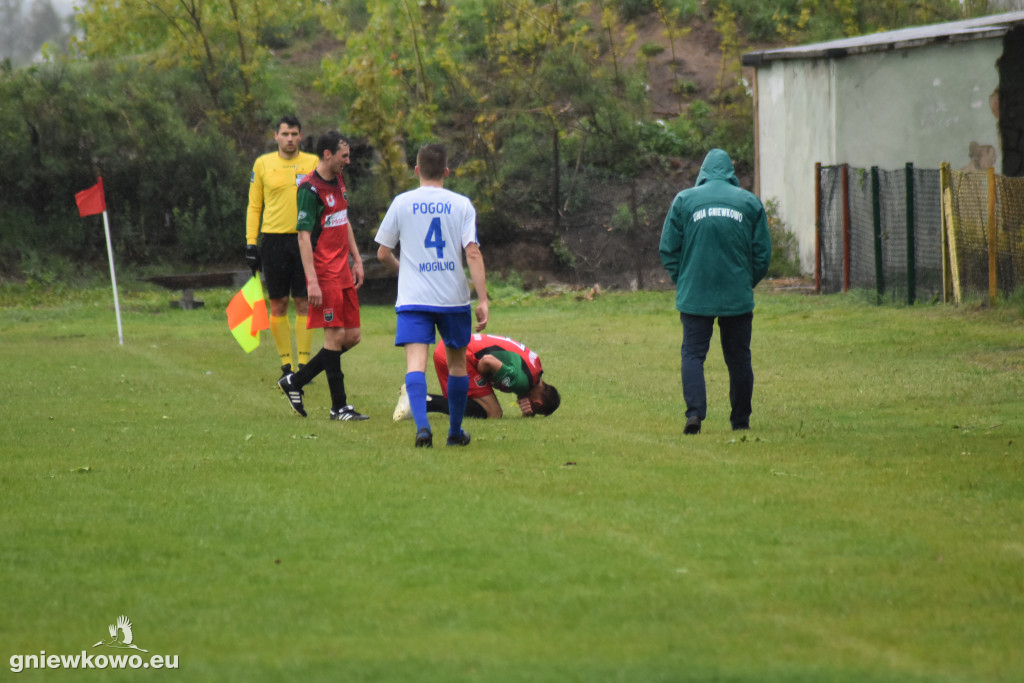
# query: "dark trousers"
735,332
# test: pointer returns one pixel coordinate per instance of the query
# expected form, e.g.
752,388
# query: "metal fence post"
817,227
846,228
876,212
993,284
911,251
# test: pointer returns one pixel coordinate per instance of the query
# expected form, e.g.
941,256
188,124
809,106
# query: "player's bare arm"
525,406
315,296
491,405
475,261
487,365
357,259
386,256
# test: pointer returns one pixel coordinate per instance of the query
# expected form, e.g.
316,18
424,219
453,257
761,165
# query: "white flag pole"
113,277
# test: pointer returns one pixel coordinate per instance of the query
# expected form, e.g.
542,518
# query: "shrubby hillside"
570,123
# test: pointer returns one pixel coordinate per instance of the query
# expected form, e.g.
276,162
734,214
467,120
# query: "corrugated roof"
993,26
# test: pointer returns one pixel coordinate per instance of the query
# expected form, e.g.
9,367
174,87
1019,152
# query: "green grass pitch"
870,527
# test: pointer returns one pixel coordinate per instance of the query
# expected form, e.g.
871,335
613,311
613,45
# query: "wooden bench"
380,286
189,282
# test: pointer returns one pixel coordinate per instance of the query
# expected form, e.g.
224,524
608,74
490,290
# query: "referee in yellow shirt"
272,186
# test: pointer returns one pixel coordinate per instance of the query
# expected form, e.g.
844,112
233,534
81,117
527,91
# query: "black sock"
439,404
474,409
313,368
335,378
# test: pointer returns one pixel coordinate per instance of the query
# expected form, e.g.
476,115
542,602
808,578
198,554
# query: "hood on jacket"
717,166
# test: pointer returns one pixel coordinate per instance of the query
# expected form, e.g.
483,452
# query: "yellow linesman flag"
247,314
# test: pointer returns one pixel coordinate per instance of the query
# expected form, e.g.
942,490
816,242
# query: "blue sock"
458,395
416,387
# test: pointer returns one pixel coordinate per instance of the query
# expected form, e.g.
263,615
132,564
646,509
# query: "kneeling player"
492,362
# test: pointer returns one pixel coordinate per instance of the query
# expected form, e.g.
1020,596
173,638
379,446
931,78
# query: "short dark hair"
287,120
432,160
330,141
549,400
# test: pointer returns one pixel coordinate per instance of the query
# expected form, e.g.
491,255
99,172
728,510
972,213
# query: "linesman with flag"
271,242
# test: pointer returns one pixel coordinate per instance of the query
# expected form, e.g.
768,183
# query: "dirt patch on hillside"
687,67
585,248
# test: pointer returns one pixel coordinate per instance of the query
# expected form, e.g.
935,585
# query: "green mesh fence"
862,240
894,231
830,230
928,233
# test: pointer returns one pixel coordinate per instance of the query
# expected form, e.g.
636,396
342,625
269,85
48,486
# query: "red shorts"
478,386
340,309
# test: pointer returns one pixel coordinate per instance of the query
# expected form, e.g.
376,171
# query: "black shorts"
282,266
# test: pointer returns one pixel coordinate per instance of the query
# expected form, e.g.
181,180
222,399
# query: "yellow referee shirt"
273,183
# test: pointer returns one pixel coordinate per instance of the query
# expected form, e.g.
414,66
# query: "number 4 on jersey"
435,238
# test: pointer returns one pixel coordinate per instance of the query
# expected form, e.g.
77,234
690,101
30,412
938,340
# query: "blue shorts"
417,327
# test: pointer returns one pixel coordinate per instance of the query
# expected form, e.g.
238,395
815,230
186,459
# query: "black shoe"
348,413
293,393
424,439
741,427
692,425
462,439
285,371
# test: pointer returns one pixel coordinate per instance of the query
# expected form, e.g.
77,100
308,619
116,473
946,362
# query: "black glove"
252,257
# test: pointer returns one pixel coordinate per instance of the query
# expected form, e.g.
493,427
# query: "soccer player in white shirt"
434,227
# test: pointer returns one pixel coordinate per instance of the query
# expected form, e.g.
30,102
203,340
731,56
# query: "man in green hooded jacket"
716,248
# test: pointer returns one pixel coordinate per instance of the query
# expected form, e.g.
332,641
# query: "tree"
167,186
383,76
537,74
613,119
222,42
819,20
670,17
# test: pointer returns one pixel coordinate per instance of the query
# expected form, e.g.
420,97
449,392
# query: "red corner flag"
91,201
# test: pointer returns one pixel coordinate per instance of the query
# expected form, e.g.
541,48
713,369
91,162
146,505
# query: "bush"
785,247
652,49
633,9
169,184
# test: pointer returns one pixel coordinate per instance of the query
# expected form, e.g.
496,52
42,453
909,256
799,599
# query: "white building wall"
796,114
923,105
